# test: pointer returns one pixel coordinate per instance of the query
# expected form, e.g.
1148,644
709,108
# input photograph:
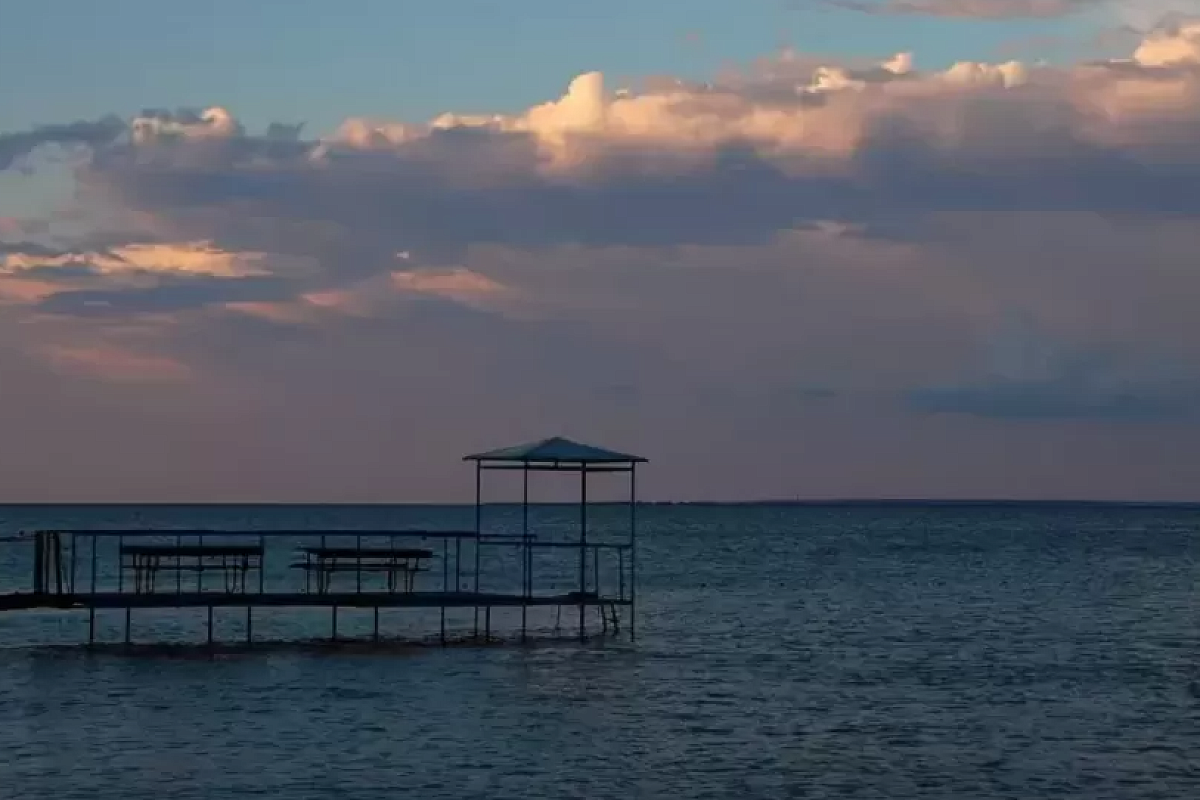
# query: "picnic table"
399,565
232,561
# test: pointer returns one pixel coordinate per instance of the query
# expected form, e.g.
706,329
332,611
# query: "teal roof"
556,449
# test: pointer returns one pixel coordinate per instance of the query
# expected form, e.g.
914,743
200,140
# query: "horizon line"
811,502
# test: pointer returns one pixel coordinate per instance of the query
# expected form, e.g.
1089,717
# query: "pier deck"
121,600
589,565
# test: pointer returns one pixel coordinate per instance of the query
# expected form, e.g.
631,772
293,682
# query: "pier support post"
249,624
39,561
478,533
128,613
526,554
583,522
91,625
210,626
375,627
633,499
334,623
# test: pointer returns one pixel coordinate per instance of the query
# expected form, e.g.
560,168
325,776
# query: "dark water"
1001,652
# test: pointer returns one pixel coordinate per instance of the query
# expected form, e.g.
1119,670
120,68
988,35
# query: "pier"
518,566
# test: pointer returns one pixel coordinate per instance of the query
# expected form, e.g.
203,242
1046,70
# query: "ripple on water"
866,653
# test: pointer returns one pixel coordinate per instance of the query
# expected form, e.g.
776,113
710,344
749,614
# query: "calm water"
785,652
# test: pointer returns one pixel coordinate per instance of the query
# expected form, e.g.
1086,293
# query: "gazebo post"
633,550
526,552
478,534
583,521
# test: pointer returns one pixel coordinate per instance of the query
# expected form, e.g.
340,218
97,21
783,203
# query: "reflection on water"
803,652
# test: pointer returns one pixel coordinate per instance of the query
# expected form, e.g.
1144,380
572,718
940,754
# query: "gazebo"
558,454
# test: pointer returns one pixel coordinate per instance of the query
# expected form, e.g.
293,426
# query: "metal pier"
520,563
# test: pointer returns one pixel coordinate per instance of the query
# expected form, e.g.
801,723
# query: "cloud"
110,363
972,9
1054,400
98,133
176,295
724,163
148,258
1141,15
1028,376
802,265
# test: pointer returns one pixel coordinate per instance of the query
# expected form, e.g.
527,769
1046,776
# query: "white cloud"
182,258
212,123
801,260
1170,48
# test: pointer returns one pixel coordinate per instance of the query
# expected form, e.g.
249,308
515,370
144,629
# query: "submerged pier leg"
375,626
249,624
92,625
334,623
38,570
487,624
128,613
210,626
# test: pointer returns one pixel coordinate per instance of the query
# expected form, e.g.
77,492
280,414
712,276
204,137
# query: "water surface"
865,652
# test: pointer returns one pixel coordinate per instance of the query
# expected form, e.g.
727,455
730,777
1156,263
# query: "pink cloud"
113,363
800,266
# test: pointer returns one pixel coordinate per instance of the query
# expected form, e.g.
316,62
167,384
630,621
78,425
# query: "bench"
398,565
234,562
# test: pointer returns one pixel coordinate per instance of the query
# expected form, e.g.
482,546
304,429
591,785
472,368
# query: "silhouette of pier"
523,566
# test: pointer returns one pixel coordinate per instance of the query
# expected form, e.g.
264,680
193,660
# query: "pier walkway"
517,566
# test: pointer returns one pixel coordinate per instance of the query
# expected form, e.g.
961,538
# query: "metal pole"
61,568
74,560
457,580
583,499
620,573
526,584
633,550
445,581
94,538
375,628
457,564
92,600
210,626
37,563
478,533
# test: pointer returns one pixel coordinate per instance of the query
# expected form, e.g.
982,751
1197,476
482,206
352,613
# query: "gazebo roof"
556,449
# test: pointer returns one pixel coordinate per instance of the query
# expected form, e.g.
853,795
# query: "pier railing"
435,569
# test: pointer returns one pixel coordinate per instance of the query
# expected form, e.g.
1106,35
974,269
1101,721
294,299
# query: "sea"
871,650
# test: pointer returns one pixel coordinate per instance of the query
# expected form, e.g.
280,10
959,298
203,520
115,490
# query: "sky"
312,252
